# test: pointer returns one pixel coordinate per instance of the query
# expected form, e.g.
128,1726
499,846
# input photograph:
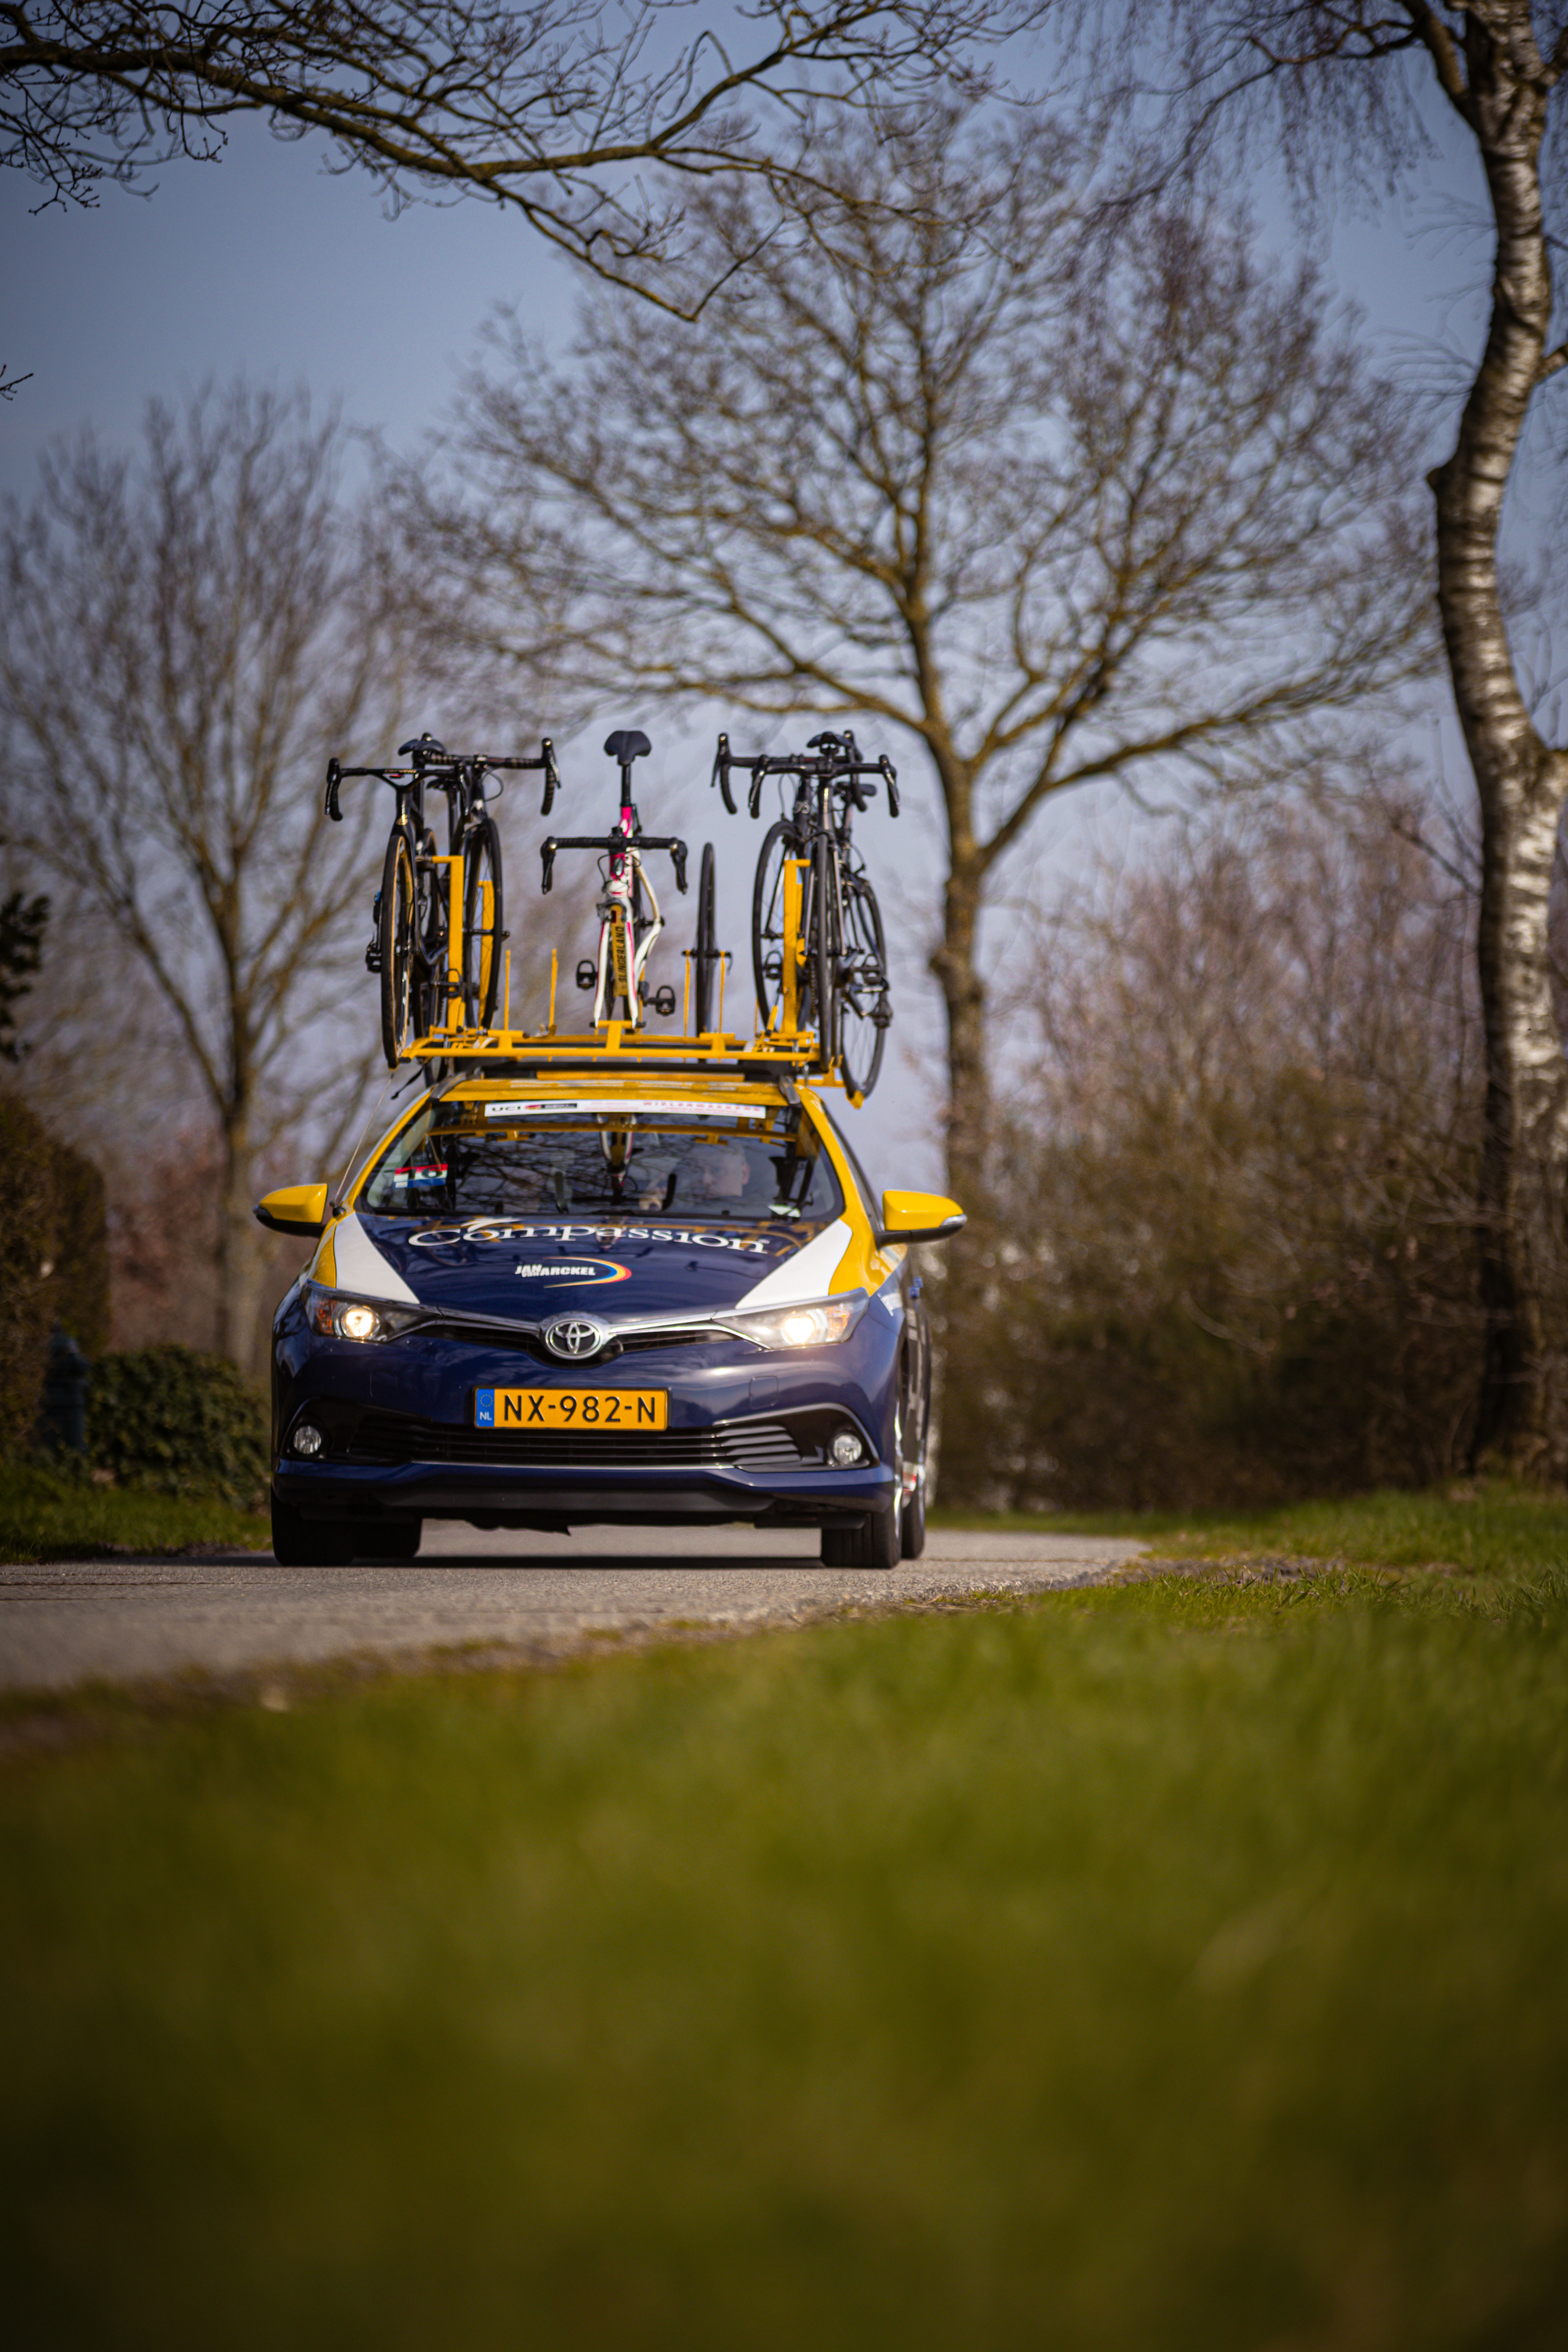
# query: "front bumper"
747,1439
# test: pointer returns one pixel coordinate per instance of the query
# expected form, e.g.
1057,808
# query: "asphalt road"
128,1619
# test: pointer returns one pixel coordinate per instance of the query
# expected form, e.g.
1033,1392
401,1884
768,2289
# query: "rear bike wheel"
704,952
863,1012
482,928
397,915
779,841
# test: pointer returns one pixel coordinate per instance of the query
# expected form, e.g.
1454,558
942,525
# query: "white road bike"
628,910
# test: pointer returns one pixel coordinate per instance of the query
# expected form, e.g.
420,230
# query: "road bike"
841,982
628,910
427,977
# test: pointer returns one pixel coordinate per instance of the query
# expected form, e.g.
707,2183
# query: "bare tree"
557,109
181,641
1344,82
1060,507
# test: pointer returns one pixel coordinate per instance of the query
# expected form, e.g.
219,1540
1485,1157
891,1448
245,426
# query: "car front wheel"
873,1543
300,1542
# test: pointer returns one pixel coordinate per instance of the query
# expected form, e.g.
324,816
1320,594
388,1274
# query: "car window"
462,1159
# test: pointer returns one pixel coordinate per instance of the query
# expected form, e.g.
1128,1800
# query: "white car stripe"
807,1275
362,1267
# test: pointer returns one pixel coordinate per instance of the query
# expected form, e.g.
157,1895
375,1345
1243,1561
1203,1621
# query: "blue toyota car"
567,1300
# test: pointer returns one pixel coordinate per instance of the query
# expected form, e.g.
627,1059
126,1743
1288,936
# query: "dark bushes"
1231,1256
180,1422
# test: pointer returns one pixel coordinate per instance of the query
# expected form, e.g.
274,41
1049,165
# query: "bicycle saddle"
423,747
627,744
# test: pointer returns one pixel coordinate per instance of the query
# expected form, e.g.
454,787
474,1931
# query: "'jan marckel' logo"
574,1336
580,1275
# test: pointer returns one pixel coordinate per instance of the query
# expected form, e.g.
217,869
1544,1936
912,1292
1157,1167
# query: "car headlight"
800,1327
338,1317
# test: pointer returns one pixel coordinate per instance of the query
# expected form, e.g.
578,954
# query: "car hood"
525,1271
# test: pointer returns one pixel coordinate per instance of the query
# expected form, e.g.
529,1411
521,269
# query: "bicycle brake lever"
890,775
551,778
721,775
334,778
754,797
857,794
677,851
547,854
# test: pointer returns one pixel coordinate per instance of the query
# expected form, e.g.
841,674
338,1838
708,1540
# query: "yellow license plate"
571,1408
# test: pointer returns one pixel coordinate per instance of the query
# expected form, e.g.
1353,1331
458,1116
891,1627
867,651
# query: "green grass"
47,1515
1484,1524
1175,1965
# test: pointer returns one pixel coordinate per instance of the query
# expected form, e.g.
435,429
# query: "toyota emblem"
575,1337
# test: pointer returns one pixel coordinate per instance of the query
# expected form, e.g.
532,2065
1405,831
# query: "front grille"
631,1339
388,1441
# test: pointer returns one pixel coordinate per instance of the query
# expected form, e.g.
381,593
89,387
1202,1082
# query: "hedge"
180,1422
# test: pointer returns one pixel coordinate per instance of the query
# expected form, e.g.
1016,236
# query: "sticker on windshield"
557,1109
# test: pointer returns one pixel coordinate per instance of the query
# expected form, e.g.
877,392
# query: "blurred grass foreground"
1174,1964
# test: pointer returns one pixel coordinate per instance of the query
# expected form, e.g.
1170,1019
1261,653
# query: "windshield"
472,1160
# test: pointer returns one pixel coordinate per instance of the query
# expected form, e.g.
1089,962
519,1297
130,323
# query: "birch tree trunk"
1521,782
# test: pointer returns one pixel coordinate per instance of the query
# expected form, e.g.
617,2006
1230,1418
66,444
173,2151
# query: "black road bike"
410,946
842,984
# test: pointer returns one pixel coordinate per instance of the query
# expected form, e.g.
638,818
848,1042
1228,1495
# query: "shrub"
180,1422
27,1250
1231,1256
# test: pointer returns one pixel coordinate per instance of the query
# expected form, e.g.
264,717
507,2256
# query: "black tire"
300,1542
822,952
389,1540
862,1014
913,1432
705,951
872,1542
779,841
397,938
483,928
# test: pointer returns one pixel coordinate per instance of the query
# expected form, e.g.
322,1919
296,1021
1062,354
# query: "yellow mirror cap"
296,1209
927,1216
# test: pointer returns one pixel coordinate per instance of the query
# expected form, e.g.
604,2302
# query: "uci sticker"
619,1104
580,1276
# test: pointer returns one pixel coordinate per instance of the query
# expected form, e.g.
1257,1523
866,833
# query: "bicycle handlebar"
612,845
836,763
433,763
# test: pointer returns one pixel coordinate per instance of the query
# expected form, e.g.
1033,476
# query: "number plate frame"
614,1410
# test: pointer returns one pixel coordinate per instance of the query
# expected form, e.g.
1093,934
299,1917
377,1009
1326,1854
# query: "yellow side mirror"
298,1209
920,1217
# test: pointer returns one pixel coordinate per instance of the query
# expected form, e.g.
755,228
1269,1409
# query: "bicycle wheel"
398,938
482,929
819,921
863,1013
779,841
704,953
